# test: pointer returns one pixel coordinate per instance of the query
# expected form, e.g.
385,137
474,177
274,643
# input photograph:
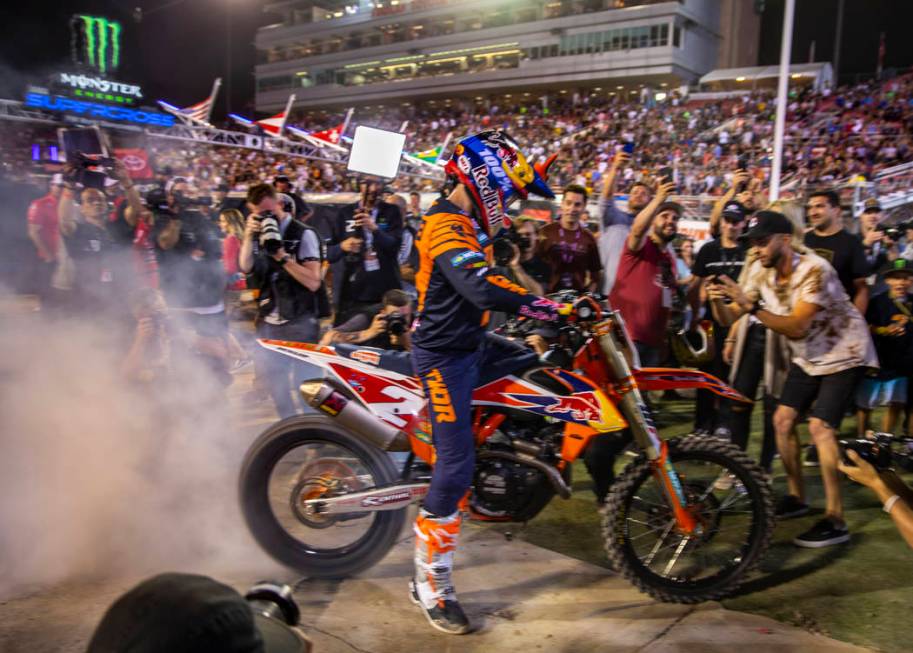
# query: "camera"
274,600
396,323
270,235
876,452
184,202
893,232
501,246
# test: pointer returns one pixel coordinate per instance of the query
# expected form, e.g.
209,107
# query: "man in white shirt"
801,297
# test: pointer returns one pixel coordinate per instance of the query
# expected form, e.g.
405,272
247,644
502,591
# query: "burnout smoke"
101,478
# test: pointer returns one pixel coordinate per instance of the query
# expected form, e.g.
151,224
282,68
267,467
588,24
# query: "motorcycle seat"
502,357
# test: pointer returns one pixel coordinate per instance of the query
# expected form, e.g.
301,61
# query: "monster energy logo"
100,41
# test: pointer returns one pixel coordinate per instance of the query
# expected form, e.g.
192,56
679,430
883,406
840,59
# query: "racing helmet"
494,171
696,348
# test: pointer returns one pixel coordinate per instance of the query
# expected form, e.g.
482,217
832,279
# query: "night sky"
180,46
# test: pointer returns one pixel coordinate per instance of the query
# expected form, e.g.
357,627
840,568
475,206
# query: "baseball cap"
735,211
188,613
671,206
767,223
287,203
871,204
897,266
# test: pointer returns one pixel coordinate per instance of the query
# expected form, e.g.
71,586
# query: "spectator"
895,496
829,240
44,232
378,331
615,222
801,297
684,261
231,224
291,292
646,276
568,249
843,251
362,251
889,317
722,256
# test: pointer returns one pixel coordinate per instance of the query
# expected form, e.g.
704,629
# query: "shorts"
873,392
830,393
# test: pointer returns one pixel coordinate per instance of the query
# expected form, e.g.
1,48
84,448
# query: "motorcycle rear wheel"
639,531
353,466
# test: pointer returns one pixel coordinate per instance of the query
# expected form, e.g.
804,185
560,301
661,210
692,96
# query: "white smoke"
100,478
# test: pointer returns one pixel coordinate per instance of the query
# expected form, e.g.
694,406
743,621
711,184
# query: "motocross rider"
456,290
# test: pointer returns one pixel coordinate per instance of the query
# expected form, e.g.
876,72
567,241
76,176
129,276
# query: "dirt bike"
684,522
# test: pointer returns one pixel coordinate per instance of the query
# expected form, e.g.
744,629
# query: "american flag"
198,111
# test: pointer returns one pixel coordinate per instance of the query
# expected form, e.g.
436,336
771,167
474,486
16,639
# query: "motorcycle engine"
504,488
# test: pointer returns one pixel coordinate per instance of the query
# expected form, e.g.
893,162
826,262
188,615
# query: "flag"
136,160
429,156
272,125
330,135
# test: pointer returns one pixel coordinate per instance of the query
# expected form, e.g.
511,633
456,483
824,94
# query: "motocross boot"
432,587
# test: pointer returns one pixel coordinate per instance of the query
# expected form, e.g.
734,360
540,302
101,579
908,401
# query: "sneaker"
724,482
445,615
824,533
811,457
791,506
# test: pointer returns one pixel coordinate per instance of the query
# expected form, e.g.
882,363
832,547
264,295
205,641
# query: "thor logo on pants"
439,397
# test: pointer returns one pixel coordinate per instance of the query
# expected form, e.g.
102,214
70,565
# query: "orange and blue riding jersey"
457,286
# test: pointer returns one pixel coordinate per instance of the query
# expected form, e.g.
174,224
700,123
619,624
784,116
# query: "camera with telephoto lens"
876,451
396,323
270,235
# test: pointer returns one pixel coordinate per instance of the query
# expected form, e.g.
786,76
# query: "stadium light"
740,79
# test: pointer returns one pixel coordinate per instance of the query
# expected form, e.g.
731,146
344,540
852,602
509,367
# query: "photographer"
895,496
190,267
388,330
283,259
363,251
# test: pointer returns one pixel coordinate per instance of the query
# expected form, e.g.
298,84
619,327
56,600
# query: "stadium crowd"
169,266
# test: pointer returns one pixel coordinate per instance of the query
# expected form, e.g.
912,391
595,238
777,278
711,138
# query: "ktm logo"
439,397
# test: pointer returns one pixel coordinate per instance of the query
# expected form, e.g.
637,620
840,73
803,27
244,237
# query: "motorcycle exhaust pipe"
323,396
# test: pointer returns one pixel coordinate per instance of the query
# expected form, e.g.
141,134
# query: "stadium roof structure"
819,74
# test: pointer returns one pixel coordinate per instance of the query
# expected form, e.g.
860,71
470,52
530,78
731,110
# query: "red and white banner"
330,135
136,161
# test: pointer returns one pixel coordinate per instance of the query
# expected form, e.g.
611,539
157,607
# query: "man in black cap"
800,296
721,256
283,185
184,613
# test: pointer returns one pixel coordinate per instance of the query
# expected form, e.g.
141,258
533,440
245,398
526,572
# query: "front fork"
634,408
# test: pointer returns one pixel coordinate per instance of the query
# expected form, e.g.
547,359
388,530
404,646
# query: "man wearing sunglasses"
800,296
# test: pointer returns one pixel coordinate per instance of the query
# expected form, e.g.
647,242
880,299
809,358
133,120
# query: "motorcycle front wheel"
308,457
730,497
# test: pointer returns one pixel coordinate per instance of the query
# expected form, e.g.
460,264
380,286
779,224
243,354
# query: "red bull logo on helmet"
491,199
